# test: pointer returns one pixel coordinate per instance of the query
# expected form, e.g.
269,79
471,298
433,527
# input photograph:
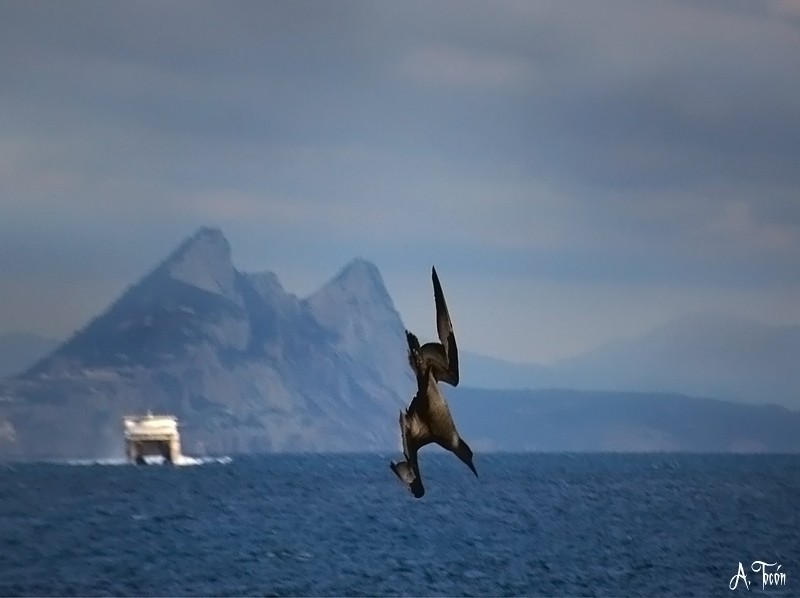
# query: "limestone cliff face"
246,366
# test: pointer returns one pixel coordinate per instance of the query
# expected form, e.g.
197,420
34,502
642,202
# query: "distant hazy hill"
568,420
701,355
19,351
482,371
245,365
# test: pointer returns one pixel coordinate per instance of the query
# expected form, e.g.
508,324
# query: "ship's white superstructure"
150,434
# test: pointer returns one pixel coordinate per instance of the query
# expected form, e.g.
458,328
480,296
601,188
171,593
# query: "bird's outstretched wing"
444,328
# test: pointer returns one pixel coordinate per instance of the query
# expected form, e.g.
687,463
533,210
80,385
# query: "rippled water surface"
343,525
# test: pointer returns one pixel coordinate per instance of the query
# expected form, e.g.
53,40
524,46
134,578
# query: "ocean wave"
183,461
186,460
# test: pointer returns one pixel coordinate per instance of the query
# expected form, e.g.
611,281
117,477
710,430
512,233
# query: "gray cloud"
559,143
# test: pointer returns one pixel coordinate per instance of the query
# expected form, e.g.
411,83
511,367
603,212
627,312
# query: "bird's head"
464,453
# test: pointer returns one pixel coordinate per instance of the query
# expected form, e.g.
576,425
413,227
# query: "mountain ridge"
230,353
250,367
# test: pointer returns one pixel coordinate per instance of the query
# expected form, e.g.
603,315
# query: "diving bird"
427,420
441,357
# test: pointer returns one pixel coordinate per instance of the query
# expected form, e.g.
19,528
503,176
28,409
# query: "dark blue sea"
320,525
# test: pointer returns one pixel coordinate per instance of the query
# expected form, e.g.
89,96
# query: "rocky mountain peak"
356,306
204,261
359,281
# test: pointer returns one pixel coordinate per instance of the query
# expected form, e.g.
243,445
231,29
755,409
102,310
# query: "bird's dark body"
427,420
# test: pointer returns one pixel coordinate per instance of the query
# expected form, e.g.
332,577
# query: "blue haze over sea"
533,524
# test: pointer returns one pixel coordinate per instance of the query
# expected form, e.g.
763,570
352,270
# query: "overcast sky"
577,171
